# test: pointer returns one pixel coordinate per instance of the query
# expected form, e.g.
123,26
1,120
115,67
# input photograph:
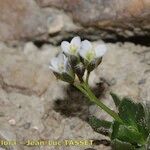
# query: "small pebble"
12,122
36,128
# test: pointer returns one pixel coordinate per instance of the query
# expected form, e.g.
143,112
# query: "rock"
7,134
17,73
54,20
30,48
34,22
21,20
58,24
12,122
2,114
101,13
71,128
28,115
104,20
27,125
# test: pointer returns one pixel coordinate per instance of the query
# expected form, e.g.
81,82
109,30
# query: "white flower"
73,47
90,53
61,68
59,64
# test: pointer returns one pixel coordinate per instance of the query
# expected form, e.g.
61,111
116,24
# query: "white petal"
58,64
53,69
83,53
85,48
100,50
76,41
65,64
65,46
60,58
65,58
54,64
86,45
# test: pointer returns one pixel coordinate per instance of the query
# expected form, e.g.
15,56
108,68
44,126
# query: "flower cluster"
76,58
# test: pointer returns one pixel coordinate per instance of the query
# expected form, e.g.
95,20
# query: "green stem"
87,77
87,91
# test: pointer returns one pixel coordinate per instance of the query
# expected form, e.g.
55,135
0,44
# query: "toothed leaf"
133,114
96,123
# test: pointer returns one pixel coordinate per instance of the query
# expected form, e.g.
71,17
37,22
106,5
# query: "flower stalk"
84,88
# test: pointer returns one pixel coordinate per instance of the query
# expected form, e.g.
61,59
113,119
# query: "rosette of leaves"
134,131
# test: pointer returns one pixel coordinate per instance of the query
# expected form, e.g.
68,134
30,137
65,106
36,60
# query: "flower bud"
79,69
65,77
93,64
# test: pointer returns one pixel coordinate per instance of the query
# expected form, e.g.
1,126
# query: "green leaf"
130,134
133,114
96,123
136,123
100,126
127,111
126,133
116,99
115,128
119,145
141,120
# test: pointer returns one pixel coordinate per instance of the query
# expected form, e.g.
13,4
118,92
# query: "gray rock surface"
100,11
42,19
21,19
